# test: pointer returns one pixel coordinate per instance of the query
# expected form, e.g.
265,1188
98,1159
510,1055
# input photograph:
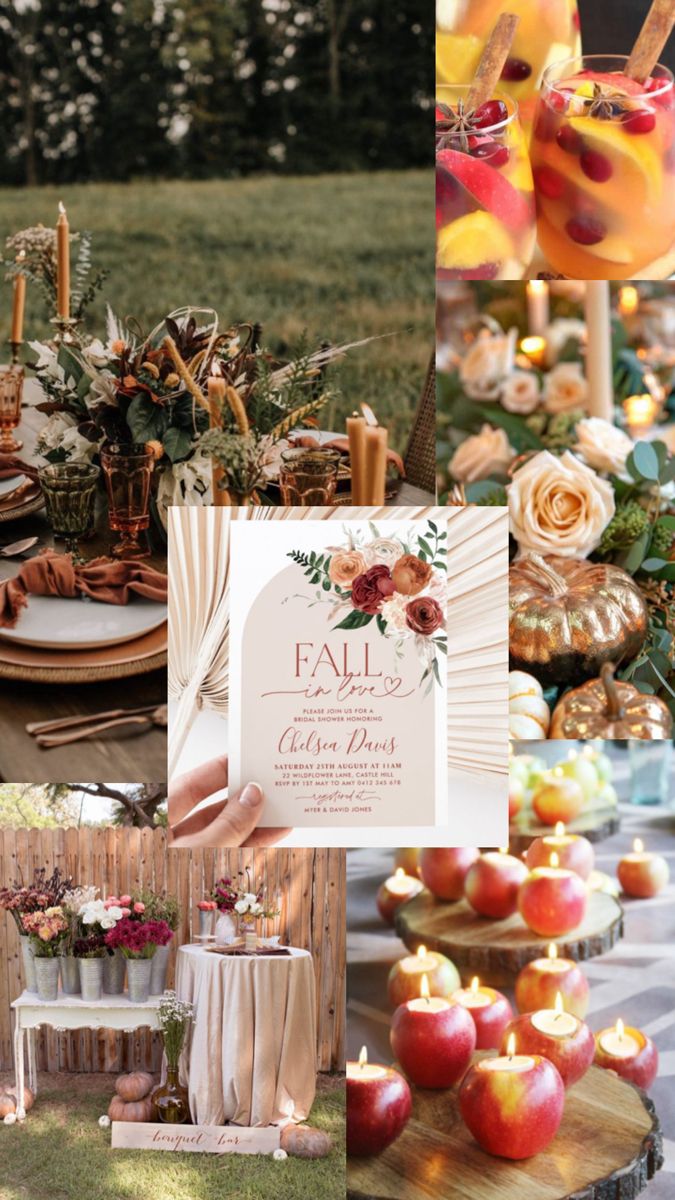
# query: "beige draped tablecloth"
252,1055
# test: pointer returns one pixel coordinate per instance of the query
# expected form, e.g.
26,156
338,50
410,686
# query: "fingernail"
251,796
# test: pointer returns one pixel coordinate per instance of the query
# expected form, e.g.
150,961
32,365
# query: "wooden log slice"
596,826
609,1146
497,950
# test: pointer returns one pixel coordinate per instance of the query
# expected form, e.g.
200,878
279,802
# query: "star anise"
454,125
606,105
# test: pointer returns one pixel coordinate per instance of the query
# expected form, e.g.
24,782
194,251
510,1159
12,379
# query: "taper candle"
375,459
599,350
537,307
63,265
356,432
19,303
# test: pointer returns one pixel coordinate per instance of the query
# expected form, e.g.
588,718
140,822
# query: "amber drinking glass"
70,494
127,468
308,477
11,391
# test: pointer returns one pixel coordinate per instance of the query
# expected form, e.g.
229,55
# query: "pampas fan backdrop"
199,541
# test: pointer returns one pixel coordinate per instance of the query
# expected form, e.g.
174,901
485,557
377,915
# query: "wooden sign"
196,1139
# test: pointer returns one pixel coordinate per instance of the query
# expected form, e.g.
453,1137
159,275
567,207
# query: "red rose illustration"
371,589
424,615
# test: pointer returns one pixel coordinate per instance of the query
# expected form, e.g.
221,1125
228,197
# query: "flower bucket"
28,959
226,929
160,966
206,917
114,968
91,978
47,977
139,971
70,975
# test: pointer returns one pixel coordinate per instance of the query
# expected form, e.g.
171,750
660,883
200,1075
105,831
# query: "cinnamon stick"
491,65
651,39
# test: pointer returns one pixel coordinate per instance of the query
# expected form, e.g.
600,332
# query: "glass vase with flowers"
171,1098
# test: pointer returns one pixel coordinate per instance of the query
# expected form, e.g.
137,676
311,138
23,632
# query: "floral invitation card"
338,670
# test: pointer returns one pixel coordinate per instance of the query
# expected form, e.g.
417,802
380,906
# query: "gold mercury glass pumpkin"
609,708
568,616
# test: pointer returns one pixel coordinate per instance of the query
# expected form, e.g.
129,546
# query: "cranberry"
586,230
596,166
558,101
639,121
515,70
569,140
545,124
497,155
493,112
549,182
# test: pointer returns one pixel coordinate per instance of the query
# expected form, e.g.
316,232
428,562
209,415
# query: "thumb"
233,825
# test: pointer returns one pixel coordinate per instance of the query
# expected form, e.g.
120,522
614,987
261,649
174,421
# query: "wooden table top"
138,756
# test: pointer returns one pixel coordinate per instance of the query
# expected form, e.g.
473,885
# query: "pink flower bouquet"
138,939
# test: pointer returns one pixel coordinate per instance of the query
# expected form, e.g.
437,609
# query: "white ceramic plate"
11,484
56,623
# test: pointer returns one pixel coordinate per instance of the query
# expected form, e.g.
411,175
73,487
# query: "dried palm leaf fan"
199,582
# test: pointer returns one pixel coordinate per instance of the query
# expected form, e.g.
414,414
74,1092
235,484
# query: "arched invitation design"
338,671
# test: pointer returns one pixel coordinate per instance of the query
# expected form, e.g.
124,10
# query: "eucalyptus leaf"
646,460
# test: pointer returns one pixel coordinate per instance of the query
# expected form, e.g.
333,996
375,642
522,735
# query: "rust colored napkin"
104,579
11,465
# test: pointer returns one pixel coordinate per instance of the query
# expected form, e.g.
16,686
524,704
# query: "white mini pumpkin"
529,714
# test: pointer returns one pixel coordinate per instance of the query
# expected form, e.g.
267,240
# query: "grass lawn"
342,256
60,1153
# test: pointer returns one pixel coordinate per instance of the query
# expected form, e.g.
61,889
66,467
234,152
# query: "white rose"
107,922
559,506
382,552
79,448
51,434
393,613
559,333
487,364
602,446
241,906
520,393
565,387
486,453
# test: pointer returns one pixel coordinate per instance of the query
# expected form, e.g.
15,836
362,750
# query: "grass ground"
343,256
60,1153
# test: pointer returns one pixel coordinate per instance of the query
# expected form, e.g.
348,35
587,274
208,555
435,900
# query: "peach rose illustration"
410,574
345,566
559,506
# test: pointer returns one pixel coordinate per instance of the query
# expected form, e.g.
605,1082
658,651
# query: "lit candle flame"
421,951
620,1029
424,988
511,1045
503,849
638,846
553,950
555,861
62,209
559,1006
368,413
537,286
399,873
363,1057
475,984
560,829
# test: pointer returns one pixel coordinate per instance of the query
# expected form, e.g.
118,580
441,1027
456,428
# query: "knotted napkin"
103,579
11,465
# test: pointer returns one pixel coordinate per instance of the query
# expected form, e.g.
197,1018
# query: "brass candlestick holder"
65,330
15,348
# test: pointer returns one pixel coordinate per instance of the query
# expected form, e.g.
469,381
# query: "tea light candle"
432,1039
492,882
356,433
552,901
406,975
558,1036
575,853
640,412
629,1052
642,874
489,1009
535,349
375,470
379,1104
540,981
537,306
513,1104
395,890
62,264
629,300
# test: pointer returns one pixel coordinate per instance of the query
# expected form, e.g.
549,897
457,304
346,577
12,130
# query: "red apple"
557,798
491,884
433,1040
540,981
571,1053
513,1113
490,1019
407,858
444,871
640,1067
574,852
641,874
378,1109
396,890
516,797
552,901
405,977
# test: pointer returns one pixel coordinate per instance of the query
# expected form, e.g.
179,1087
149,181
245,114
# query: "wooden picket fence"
310,884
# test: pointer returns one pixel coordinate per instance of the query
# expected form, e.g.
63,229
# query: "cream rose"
559,506
384,551
559,333
520,393
487,364
486,453
565,387
602,446
393,612
344,567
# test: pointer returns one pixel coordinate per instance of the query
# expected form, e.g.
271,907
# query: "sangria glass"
603,159
308,477
127,469
485,211
548,31
11,392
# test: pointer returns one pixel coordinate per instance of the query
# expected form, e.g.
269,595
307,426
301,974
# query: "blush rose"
370,590
424,615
